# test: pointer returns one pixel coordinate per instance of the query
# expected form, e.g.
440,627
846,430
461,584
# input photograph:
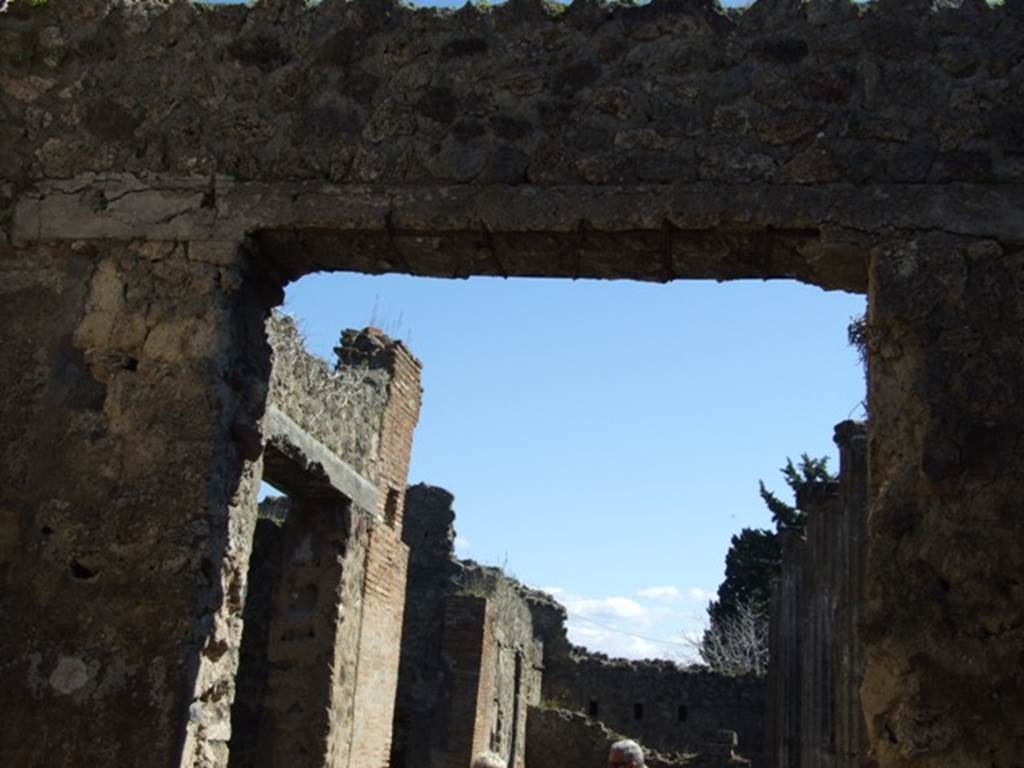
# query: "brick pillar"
944,583
131,376
387,555
851,438
468,650
819,642
784,668
307,718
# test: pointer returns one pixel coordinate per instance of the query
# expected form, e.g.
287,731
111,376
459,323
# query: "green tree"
797,477
753,561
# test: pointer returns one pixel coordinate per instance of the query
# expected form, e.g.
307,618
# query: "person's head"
487,760
625,754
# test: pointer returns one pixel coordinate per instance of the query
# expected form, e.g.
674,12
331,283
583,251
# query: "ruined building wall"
664,706
558,738
816,665
470,661
335,623
680,709
386,562
868,147
127,499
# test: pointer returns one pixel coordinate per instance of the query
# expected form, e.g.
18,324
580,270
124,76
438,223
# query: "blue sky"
604,439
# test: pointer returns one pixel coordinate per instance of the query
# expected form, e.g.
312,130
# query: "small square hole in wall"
638,711
592,708
683,713
391,507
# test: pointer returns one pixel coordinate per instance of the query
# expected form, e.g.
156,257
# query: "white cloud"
462,545
615,644
664,593
606,608
622,627
699,595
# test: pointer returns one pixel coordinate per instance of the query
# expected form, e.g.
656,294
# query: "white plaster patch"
70,675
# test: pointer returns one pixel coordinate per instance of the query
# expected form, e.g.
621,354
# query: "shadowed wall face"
125,497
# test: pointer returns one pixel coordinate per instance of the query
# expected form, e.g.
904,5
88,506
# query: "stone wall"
375,92
816,666
681,709
470,660
127,499
320,672
265,566
662,705
868,147
557,738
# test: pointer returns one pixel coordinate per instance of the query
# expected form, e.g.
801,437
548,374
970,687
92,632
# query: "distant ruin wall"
666,707
471,664
816,666
557,738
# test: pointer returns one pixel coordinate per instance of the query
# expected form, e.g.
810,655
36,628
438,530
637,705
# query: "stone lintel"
657,232
286,437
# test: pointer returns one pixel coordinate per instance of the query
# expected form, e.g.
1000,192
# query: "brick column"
784,669
468,648
387,555
851,438
819,643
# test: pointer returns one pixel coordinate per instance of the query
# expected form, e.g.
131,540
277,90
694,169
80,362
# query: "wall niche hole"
80,573
683,713
638,711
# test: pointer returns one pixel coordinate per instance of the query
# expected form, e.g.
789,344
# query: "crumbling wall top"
529,92
342,407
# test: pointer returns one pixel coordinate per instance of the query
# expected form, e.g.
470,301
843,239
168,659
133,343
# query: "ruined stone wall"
557,738
470,661
341,406
680,709
944,597
387,558
664,706
126,502
338,707
375,92
816,653
265,566
513,681
429,534
638,142
871,147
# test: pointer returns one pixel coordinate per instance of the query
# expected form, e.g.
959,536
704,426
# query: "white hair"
629,749
488,760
